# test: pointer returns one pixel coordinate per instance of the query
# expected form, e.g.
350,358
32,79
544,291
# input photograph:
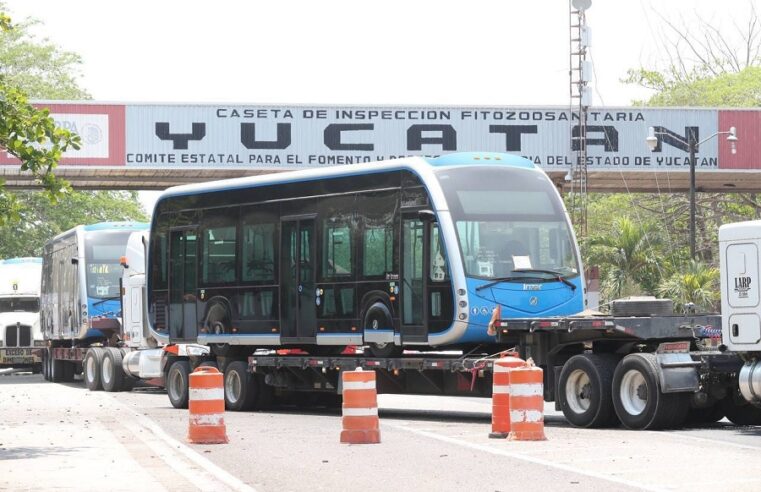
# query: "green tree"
38,69
696,283
29,134
626,256
40,222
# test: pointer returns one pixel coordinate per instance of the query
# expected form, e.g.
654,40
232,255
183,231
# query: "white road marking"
523,457
174,445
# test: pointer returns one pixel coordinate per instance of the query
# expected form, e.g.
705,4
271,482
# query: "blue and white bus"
80,301
405,253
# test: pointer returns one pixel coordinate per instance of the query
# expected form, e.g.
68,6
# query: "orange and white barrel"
206,405
360,408
527,404
500,395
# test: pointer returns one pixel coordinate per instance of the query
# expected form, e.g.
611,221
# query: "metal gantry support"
580,71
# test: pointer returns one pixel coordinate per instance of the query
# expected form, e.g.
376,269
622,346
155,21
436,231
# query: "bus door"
298,312
183,264
414,281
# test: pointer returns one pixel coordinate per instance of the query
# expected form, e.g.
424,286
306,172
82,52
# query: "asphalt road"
63,437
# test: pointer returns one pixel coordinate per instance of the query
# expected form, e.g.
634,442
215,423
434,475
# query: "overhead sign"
211,136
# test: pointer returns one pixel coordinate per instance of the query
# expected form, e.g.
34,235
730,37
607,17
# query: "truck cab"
20,313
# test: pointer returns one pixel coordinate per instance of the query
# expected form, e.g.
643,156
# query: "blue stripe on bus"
20,261
121,226
482,159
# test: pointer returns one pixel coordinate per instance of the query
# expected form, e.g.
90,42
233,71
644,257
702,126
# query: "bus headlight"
460,292
462,316
463,304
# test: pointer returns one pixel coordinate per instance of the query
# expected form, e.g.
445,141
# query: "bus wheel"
92,369
378,317
112,374
240,387
584,390
177,381
638,399
739,411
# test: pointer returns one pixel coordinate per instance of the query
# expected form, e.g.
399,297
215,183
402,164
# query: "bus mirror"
74,261
426,215
123,261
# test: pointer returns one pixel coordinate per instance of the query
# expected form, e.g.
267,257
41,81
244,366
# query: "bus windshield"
506,220
102,252
20,304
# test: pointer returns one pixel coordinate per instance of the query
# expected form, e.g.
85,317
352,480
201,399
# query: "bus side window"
337,257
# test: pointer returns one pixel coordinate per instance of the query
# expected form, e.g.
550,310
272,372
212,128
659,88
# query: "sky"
406,52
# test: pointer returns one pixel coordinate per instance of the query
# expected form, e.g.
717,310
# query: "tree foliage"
705,67
28,134
32,68
40,222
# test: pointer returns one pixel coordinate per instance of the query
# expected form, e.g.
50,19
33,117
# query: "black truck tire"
637,397
112,374
241,388
177,383
91,368
584,390
739,411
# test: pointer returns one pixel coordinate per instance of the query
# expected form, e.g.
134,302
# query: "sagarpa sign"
292,136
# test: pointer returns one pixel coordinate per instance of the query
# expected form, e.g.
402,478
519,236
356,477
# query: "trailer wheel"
241,387
92,369
45,365
584,390
67,371
112,373
378,316
177,383
739,411
638,399
56,370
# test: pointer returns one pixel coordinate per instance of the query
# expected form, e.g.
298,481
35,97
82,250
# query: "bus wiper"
113,298
558,276
504,279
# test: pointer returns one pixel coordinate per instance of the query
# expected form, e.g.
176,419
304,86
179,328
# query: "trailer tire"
739,411
67,371
241,387
56,370
637,397
46,365
178,383
91,368
584,390
112,373
377,316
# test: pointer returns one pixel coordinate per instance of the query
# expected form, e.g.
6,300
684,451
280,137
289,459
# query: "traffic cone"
527,404
500,395
206,405
360,408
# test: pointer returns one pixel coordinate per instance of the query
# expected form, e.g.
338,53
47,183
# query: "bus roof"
20,261
418,165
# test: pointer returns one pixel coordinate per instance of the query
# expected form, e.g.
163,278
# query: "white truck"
740,256
20,313
128,352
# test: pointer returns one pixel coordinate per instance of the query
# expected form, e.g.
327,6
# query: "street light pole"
693,150
692,146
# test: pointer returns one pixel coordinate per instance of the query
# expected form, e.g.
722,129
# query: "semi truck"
413,260
109,344
20,336
740,250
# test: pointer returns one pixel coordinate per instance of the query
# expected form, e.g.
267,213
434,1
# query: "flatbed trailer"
647,372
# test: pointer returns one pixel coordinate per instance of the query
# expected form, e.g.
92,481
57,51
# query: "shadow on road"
23,453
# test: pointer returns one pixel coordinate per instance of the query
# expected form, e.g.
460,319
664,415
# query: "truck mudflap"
677,371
